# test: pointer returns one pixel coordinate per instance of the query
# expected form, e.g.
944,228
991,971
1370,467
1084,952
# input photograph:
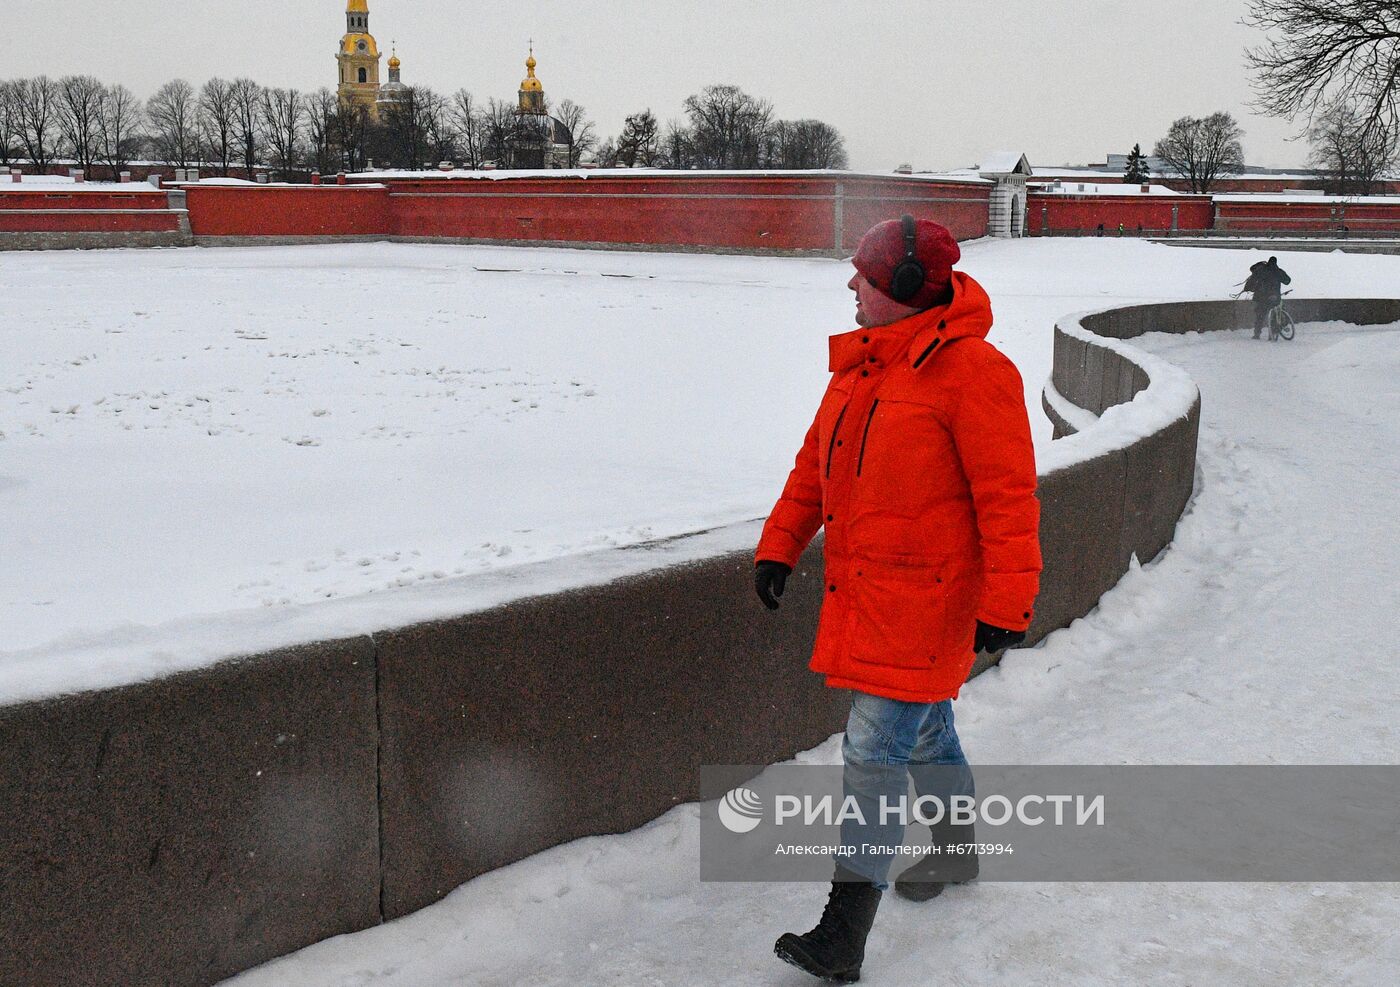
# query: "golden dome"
357,7
394,62
530,84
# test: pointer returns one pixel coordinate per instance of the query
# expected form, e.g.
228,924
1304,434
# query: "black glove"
769,578
991,638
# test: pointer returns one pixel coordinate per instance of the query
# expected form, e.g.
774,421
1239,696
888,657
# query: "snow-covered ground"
1264,635
207,450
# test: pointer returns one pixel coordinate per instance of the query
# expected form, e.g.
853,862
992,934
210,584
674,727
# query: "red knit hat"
882,249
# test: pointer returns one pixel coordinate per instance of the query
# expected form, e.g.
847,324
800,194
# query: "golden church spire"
531,89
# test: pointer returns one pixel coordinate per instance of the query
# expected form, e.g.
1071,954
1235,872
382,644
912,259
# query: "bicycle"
1280,323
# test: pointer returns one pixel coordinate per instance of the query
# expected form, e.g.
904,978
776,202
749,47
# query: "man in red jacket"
920,467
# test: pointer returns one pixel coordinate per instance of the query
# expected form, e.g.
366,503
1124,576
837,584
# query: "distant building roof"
1004,163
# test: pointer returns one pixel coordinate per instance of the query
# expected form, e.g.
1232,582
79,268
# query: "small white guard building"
1007,216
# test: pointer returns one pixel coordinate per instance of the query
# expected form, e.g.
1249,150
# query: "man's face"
874,307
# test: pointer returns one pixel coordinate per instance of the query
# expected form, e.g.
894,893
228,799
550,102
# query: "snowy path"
1261,636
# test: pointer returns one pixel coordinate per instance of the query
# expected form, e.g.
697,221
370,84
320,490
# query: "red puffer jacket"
920,465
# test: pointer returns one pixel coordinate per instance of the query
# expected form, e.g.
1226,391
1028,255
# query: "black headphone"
908,277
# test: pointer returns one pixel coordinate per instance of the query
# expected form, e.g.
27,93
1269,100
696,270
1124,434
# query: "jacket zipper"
831,444
866,435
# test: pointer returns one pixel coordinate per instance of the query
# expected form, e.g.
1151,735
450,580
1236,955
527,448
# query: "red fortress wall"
1077,215
289,211
78,210
1061,214
1358,217
785,213
746,213
822,213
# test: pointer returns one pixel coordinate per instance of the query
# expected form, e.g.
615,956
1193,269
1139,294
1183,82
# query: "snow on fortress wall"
181,830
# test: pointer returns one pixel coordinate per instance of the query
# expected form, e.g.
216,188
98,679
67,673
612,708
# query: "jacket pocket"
898,614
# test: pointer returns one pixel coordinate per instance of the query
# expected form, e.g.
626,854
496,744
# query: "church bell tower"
358,58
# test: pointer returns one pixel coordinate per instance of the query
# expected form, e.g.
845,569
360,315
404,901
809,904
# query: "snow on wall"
1168,397
497,175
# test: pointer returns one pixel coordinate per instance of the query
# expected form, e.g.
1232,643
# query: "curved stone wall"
178,831
1116,489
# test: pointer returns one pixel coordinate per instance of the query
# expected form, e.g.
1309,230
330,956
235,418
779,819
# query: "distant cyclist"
1266,281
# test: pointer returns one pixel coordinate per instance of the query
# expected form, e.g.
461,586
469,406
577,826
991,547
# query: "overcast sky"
935,83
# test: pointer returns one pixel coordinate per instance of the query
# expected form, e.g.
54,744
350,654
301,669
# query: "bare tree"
119,124
79,105
640,141
416,129
37,100
173,116
467,120
247,122
583,136
1203,149
729,128
322,108
807,144
437,122
216,118
9,120
825,145
1321,52
401,137
352,135
676,146
780,144
1353,155
607,154
500,131
282,113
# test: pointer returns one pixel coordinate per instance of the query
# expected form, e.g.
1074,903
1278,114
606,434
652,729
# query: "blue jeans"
884,738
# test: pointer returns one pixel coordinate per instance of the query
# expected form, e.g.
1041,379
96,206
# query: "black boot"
927,878
835,949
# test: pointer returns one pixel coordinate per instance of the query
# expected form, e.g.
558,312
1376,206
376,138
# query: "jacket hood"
921,334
